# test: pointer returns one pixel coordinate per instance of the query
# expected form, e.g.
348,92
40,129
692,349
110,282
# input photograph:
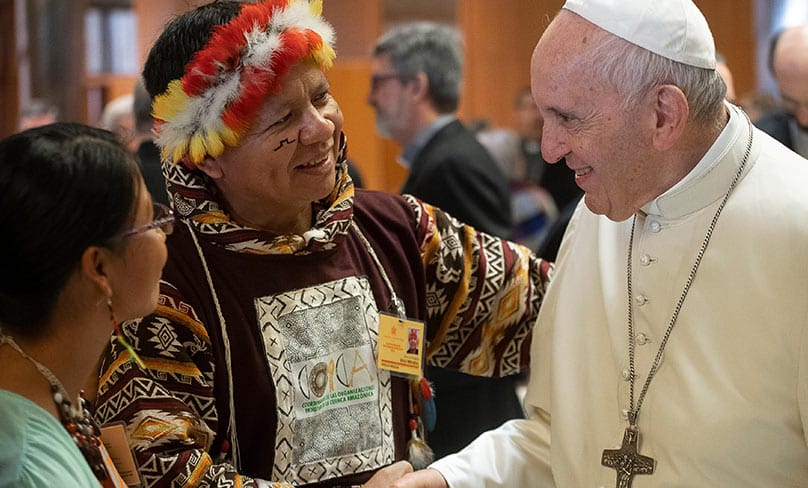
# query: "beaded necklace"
77,421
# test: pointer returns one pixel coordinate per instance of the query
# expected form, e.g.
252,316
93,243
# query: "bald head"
791,51
565,41
790,67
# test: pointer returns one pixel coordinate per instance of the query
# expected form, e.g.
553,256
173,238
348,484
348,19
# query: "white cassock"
728,406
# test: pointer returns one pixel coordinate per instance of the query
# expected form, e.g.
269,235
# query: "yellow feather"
324,56
214,143
173,101
197,148
316,7
229,136
179,150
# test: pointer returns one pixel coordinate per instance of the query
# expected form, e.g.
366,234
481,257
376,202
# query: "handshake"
401,475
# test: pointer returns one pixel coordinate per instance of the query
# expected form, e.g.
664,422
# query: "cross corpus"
626,460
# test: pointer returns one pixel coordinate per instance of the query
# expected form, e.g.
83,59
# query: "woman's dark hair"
63,187
182,38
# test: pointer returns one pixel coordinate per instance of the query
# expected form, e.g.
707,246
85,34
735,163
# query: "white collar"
710,178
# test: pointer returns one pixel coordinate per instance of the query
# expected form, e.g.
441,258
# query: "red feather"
426,390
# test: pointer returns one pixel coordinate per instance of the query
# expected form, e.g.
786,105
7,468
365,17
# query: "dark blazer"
776,125
456,173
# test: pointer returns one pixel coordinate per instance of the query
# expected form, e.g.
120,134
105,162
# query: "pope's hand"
385,477
425,478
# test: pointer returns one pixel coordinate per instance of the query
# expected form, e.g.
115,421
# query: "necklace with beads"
77,421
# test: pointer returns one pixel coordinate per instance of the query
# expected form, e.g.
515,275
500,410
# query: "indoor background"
80,54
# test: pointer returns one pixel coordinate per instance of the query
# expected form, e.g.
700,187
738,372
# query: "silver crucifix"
626,460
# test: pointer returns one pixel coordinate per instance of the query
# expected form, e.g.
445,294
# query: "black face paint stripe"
285,141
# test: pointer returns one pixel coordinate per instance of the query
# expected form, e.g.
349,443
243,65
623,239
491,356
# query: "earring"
120,338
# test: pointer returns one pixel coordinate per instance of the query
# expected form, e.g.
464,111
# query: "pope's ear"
211,167
672,111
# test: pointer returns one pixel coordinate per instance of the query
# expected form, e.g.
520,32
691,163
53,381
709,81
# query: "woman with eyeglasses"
83,247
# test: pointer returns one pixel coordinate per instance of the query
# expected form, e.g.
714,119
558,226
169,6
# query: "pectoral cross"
626,460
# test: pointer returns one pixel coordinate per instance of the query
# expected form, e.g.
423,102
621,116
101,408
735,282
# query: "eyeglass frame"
165,222
376,80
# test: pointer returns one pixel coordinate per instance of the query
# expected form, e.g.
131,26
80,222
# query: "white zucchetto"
674,29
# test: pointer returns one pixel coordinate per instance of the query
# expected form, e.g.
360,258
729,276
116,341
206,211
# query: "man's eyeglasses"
377,80
163,219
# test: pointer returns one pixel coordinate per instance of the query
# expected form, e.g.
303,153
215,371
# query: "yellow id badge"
401,345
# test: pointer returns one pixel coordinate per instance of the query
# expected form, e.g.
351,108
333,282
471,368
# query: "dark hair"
63,187
182,38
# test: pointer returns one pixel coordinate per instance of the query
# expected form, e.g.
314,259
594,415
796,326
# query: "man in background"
37,112
118,117
788,60
726,74
415,91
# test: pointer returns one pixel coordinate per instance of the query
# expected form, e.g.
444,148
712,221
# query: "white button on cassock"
655,226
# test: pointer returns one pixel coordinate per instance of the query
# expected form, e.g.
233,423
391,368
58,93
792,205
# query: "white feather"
204,113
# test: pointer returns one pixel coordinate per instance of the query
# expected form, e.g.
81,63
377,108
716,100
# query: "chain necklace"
77,421
627,461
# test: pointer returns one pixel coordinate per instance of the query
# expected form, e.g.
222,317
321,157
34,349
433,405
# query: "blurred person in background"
148,153
788,61
555,178
532,207
726,74
415,92
758,104
37,112
118,117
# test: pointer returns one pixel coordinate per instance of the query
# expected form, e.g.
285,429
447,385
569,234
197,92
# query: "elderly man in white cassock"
672,347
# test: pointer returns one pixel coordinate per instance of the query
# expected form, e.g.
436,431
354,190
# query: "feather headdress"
223,86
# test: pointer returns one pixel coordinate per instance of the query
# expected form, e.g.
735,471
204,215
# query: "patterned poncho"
247,319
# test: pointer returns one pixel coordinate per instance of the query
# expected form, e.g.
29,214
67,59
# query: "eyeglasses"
163,219
377,80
